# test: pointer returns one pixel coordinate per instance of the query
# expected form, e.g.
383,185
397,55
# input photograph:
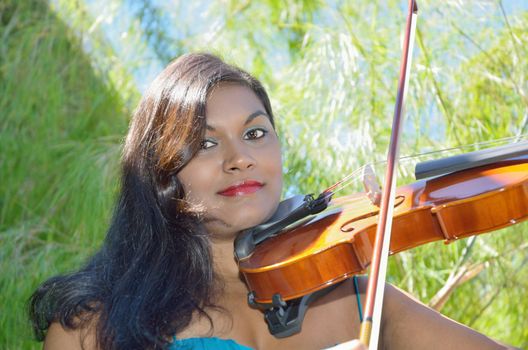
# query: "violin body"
337,243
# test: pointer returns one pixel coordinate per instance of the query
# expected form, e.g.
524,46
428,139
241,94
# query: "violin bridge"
371,185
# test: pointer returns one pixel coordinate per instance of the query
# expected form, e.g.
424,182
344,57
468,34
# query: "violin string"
503,140
356,174
344,182
496,142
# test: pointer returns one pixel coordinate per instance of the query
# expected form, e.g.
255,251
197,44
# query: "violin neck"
470,160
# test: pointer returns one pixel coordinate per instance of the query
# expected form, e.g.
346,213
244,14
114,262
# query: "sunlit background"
72,72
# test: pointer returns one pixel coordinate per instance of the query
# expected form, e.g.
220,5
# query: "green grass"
61,129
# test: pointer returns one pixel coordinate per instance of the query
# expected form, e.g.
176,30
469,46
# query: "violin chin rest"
247,240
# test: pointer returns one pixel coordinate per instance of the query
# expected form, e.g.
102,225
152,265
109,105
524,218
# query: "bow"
369,331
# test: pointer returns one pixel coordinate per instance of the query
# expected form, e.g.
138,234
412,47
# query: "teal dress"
206,344
229,344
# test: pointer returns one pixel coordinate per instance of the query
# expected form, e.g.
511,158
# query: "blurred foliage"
69,78
61,123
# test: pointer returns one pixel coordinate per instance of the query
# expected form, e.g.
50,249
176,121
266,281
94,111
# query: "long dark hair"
154,269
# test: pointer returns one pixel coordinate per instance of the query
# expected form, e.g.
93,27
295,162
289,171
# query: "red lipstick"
241,189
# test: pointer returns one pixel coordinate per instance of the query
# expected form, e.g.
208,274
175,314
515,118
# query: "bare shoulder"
409,324
60,338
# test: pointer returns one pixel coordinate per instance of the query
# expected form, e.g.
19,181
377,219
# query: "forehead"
231,100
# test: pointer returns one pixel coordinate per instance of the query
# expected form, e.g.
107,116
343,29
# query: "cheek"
195,181
273,165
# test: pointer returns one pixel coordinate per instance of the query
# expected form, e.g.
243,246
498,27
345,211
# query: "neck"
227,268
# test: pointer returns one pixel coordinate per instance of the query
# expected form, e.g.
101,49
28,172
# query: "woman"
201,163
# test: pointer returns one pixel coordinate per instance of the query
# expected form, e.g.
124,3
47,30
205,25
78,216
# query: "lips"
241,189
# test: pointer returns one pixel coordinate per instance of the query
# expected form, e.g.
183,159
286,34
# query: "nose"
238,158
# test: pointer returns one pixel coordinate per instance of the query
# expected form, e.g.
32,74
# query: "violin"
307,256
311,245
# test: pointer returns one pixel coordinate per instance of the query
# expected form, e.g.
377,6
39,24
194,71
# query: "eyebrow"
248,119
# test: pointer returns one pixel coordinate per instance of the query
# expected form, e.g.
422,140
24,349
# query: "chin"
244,215
250,218
229,227
249,221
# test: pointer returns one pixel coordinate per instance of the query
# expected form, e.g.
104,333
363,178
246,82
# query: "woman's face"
236,178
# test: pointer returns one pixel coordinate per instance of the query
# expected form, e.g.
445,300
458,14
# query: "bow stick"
369,331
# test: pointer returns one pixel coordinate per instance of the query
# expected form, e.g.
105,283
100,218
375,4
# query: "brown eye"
254,134
208,143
